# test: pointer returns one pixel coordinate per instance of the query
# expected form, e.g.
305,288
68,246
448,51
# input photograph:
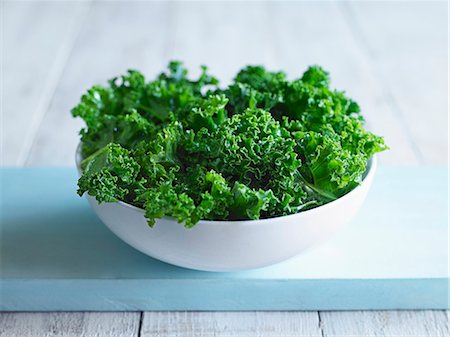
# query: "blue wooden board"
56,255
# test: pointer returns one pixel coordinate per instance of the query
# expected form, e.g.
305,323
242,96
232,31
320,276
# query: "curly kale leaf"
131,110
250,203
208,113
316,76
187,207
254,86
262,147
108,174
335,163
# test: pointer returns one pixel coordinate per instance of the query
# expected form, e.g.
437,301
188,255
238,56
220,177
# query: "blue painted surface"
56,255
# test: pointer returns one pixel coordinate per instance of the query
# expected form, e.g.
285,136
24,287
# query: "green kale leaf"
262,147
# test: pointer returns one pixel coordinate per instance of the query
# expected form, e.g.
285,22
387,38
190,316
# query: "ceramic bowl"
224,246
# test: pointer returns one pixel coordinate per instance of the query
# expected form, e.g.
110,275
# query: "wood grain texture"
230,324
61,324
115,37
385,323
158,33
409,56
37,40
225,36
300,41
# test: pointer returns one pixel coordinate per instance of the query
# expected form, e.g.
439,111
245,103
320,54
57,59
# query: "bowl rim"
367,177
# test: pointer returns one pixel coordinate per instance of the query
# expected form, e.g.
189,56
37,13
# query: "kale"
262,147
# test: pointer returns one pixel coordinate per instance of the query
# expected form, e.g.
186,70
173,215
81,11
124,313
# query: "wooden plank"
116,36
202,33
230,324
410,57
424,323
223,35
67,259
301,41
195,32
32,64
62,324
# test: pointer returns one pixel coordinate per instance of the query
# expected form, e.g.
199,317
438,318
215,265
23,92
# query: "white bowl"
225,246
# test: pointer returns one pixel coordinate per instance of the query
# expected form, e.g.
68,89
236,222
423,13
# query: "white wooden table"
390,56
